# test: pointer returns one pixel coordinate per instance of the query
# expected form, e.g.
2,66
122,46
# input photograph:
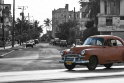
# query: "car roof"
109,37
106,36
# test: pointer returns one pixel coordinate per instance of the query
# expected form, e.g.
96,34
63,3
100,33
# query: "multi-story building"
5,19
111,17
1,7
60,16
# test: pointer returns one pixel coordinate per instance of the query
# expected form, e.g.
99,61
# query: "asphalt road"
43,56
78,75
41,65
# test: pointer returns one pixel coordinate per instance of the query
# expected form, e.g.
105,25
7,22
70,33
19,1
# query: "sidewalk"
8,47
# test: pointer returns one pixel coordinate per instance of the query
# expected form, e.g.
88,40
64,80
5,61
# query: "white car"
30,43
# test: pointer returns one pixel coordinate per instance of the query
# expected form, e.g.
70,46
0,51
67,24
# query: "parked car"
100,49
56,41
30,43
36,41
63,43
51,41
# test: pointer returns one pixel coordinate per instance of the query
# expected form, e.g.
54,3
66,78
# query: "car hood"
78,48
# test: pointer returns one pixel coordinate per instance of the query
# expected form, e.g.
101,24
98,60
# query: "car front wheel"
69,67
93,61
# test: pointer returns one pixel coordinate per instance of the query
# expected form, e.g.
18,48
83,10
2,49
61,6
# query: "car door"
110,51
120,51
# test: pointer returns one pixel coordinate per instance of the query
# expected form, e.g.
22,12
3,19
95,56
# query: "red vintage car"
99,49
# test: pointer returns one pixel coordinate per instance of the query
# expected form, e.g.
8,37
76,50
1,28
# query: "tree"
67,30
28,31
95,9
47,23
90,31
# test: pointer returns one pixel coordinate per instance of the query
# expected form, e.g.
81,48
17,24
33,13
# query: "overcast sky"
42,9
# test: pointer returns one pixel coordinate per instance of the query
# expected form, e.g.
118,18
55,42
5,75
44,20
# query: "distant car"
56,41
99,49
63,43
30,43
36,41
51,41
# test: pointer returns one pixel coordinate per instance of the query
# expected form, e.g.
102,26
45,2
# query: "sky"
41,9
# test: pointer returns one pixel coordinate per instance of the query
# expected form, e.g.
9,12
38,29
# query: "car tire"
69,67
108,66
93,62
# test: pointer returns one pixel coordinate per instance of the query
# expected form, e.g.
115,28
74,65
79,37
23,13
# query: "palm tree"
47,23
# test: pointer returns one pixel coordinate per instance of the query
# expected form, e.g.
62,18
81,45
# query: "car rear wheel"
93,62
108,66
69,67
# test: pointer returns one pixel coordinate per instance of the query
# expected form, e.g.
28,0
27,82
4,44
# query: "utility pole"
74,15
3,13
13,40
75,27
29,25
22,14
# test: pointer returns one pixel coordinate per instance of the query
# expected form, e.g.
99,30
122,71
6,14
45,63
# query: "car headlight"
83,52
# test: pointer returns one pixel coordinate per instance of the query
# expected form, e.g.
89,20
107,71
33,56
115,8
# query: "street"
78,75
41,65
41,57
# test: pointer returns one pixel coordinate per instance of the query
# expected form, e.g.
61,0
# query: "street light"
22,14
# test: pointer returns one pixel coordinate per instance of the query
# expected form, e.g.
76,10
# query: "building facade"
5,20
60,16
111,17
1,8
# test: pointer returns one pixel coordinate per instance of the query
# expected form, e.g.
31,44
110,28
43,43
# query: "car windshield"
94,41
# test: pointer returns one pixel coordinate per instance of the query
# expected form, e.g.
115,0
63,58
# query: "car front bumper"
74,58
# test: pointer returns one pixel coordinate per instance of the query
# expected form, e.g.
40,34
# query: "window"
94,41
111,42
109,21
119,43
122,18
112,7
99,43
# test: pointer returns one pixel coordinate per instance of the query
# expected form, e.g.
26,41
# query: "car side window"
99,43
119,43
111,42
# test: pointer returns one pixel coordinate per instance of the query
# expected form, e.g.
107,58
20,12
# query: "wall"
120,34
102,8
122,7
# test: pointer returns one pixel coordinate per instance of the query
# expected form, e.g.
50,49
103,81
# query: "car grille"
72,55
71,59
